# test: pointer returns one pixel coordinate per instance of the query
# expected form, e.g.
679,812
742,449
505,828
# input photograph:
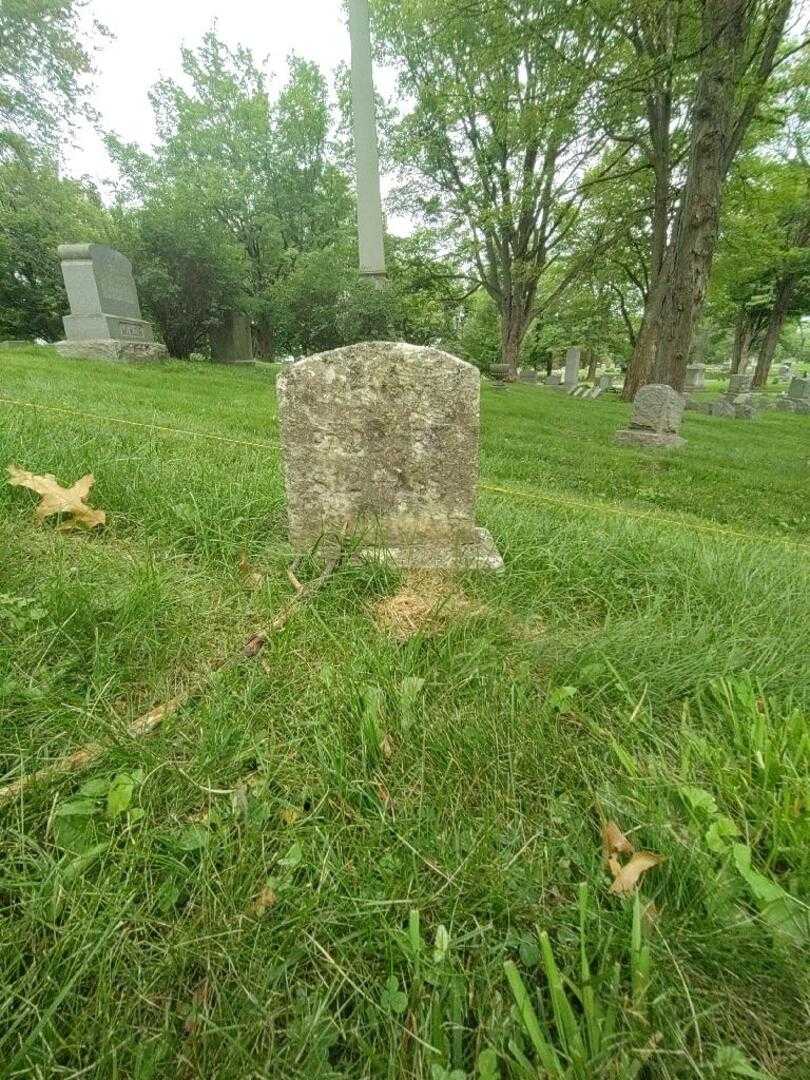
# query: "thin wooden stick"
146,724
80,759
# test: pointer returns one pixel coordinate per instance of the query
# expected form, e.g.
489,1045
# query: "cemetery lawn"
321,862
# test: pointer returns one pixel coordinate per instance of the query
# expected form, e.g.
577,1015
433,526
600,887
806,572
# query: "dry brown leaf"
629,875
264,900
614,842
254,644
289,815
387,746
58,500
614,866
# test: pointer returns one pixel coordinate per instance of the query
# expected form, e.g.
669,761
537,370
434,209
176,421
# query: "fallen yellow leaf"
59,500
629,875
614,842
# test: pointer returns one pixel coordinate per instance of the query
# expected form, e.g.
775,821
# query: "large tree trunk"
776,320
689,260
743,333
659,118
740,41
263,340
638,370
514,324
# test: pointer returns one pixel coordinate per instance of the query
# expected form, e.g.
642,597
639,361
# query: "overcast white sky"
148,36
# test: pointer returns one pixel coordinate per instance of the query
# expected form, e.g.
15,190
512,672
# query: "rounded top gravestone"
380,440
657,407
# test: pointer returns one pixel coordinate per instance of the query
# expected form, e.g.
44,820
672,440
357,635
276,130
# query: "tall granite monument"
105,316
380,445
572,361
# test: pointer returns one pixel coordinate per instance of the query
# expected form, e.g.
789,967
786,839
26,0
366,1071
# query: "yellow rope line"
529,496
140,424
654,515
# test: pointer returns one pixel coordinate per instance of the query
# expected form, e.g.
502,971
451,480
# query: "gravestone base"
663,440
478,553
112,349
704,407
102,327
794,406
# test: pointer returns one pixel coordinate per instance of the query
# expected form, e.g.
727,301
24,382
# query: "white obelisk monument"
369,202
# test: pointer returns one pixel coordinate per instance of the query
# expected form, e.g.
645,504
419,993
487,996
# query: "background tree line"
608,174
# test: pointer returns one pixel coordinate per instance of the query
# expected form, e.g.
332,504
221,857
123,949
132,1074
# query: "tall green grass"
355,856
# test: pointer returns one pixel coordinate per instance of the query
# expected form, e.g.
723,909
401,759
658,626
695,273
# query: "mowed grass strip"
320,865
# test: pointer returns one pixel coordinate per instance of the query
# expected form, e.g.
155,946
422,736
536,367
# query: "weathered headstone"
554,379
380,442
572,360
739,384
105,316
502,372
724,407
695,377
16,343
797,398
232,340
605,382
656,418
528,375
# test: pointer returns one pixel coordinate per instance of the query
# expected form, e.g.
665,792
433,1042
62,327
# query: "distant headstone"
380,442
656,418
105,316
725,407
739,384
785,371
695,377
797,398
528,375
799,389
605,382
232,340
19,343
501,372
554,379
572,360
700,343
